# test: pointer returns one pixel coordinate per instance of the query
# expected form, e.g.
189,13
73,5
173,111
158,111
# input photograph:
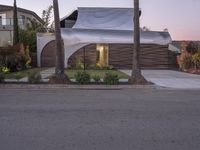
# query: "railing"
9,21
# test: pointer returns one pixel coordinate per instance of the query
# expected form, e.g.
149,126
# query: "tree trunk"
15,25
60,76
136,75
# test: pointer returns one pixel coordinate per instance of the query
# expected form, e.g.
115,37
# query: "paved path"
171,79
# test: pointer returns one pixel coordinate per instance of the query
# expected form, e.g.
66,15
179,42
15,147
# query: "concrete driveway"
170,78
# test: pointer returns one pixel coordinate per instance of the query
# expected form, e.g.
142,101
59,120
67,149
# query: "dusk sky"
181,17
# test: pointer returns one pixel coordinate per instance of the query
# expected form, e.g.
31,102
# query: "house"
6,22
104,36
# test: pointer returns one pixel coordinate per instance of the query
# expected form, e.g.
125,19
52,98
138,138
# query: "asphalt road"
131,119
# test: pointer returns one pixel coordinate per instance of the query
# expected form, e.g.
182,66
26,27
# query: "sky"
180,17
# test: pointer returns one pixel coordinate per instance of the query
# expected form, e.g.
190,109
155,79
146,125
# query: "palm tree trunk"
136,75
15,24
60,76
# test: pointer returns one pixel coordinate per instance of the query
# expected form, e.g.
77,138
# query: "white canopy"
105,18
106,25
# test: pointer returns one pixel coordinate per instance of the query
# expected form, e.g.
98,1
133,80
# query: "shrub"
15,58
111,79
34,77
196,60
4,70
78,63
96,78
82,77
185,61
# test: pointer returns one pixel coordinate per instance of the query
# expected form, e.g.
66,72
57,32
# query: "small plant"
78,64
111,79
82,77
34,77
96,78
4,70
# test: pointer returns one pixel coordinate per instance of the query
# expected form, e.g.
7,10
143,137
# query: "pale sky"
181,17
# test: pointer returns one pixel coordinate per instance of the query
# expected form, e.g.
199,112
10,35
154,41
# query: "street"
72,119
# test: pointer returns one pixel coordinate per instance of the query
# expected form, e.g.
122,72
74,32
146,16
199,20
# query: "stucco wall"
42,40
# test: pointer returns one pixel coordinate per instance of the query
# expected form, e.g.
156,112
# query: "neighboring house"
6,22
104,36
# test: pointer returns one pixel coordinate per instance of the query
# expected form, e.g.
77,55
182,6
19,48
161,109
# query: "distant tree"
28,36
136,75
145,28
165,30
192,48
15,24
47,15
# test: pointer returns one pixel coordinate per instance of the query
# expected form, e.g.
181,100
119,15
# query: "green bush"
96,78
111,79
4,70
34,78
196,60
82,77
15,58
186,62
78,63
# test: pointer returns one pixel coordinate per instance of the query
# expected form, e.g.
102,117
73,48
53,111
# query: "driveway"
170,78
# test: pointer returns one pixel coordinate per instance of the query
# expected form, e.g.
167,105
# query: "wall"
5,38
151,56
42,40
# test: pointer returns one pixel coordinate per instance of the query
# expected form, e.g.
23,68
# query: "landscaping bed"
101,73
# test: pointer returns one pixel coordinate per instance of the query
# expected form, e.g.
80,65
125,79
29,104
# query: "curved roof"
75,39
104,18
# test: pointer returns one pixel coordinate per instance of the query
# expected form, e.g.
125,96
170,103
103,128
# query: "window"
3,19
102,54
21,20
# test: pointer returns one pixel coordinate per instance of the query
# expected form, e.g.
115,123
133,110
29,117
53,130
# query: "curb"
79,87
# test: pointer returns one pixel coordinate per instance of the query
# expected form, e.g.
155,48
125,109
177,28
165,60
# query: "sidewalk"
170,78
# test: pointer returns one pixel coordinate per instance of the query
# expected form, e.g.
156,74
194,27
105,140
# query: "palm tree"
59,76
136,75
15,24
